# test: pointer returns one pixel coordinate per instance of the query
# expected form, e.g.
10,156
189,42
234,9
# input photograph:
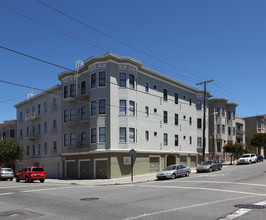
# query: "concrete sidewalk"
116,181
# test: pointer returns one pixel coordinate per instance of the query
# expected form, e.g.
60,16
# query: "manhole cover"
89,199
249,206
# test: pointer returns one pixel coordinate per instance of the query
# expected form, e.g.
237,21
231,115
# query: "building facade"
39,121
240,131
8,130
254,125
112,105
222,126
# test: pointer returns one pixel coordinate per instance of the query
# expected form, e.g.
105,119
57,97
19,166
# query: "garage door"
154,164
71,170
84,169
100,168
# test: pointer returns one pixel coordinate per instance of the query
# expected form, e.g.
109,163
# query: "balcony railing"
32,116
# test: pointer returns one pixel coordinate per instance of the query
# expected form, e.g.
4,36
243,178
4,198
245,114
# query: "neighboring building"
8,130
254,125
114,104
222,126
240,131
39,121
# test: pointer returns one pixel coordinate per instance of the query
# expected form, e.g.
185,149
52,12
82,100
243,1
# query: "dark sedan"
209,165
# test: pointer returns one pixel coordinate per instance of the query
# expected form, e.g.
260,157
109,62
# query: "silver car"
209,165
6,173
174,171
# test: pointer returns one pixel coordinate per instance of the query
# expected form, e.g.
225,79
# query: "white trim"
79,165
94,165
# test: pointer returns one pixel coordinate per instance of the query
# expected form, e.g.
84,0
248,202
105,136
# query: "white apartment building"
112,105
39,121
222,126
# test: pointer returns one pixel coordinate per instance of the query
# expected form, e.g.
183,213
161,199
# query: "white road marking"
184,207
241,212
47,189
201,188
4,194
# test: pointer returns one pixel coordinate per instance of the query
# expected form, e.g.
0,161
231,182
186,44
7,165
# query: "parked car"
6,173
29,174
248,159
209,165
259,158
174,171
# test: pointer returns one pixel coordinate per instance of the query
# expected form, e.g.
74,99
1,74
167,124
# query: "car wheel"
249,162
42,181
17,179
27,179
11,179
187,174
173,176
210,170
220,167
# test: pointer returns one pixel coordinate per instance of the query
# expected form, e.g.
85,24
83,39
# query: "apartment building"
240,130
39,121
113,104
222,126
254,125
8,130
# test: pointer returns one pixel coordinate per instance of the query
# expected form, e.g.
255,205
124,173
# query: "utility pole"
204,117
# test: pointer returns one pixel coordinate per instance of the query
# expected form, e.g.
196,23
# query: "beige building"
39,121
222,126
8,130
240,131
112,105
254,125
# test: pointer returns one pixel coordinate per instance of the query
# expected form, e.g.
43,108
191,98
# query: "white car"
248,158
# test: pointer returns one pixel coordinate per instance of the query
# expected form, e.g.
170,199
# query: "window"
176,98
72,114
146,87
219,149
190,140
223,129
102,135
39,129
54,104
165,117
33,150
155,110
102,78
93,108
146,111
12,133
20,134
131,81
199,142
229,115
223,112
93,80
218,129
45,106
66,143
176,140
123,107
65,91
93,135
45,148
176,119
198,104
101,106
83,87
132,135
165,139
218,111
82,112
54,146
72,90
39,149
190,120
234,116
20,116
72,139
155,134
122,79
147,135
83,138
28,150
190,101
54,125
122,135
65,115
131,108
199,123
45,127
229,131
165,94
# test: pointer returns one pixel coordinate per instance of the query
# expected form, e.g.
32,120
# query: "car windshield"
172,167
7,170
208,162
247,155
37,169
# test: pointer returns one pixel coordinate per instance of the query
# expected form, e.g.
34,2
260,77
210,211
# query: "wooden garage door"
85,169
101,169
154,164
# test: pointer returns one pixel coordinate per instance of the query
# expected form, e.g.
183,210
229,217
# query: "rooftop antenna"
30,94
79,64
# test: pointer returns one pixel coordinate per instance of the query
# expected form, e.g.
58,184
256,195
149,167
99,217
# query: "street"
235,192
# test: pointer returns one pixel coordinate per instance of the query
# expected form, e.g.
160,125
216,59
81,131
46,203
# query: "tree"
235,150
10,151
259,140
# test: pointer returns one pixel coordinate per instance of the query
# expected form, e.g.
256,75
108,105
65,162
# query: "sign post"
132,154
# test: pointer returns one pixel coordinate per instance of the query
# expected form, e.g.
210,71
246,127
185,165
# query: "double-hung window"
72,139
93,135
82,112
72,90
83,87
93,108
123,107
146,87
102,106
102,76
165,139
66,141
146,111
165,95
122,135
198,104
131,108
165,117
72,114
132,135
65,92
83,138
176,119
93,80
102,134
131,81
122,79
176,140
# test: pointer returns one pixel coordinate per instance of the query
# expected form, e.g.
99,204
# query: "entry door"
100,169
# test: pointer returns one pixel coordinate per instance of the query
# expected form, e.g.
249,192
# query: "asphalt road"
235,192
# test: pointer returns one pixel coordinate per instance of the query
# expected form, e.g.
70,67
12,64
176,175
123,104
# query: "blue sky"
190,41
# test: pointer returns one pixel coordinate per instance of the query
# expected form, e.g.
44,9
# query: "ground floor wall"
114,165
